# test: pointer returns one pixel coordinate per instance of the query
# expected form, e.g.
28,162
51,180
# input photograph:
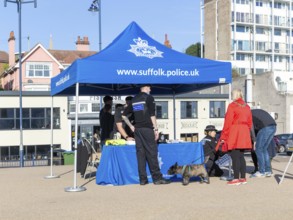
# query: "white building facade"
36,124
256,35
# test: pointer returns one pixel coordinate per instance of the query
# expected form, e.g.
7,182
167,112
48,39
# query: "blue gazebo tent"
135,58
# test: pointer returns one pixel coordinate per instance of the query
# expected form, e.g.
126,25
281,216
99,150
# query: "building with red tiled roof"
39,64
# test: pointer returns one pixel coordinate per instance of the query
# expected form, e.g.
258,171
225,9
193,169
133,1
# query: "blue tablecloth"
118,165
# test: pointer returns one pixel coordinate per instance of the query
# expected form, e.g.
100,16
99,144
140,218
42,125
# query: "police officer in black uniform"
120,125
209,143
146,135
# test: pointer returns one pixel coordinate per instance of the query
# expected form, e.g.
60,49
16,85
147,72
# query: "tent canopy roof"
134,58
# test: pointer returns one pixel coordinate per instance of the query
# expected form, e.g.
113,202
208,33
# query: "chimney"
11,48
51,42
82,44
167,42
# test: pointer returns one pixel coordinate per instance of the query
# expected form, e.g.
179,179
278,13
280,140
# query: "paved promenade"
26,194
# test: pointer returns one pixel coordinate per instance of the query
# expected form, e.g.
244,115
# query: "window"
217,109
241,71
260,46
31,152
56,118
32,118
14,153
257,19
38,69
278,5
277,47
188,109
242,17
260,30
278,59
243,2
244,45
4,153
258,3
240,29
7,118
240,56
260,58
280,21
83,108
278,32
38,118
258,71
162,110
240,45
190,137
72,108
95,107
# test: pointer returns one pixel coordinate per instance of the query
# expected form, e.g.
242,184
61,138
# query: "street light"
19,3
96,7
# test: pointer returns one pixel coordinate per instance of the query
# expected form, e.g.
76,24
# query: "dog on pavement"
189,171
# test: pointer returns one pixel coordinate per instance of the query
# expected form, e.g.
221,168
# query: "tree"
235,72
5,67
194,50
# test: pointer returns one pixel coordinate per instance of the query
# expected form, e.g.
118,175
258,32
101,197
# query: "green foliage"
5,66
235,73
194,50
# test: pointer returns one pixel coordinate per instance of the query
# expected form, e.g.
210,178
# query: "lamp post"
19,4
97,7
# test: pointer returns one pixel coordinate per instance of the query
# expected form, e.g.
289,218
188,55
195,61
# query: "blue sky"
65,20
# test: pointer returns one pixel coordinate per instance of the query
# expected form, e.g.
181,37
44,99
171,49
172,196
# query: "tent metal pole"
230,91
75,188
51,176
285,171
174,115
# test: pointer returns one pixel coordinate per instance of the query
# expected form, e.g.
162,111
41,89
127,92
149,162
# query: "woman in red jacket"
236,135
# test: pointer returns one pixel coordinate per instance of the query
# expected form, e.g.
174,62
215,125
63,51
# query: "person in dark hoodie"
265,129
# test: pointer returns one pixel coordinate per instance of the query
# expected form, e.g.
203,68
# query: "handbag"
224,161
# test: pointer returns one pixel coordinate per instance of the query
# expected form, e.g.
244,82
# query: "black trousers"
213,169
147,152
238,163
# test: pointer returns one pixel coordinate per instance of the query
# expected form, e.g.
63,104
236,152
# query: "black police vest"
140,111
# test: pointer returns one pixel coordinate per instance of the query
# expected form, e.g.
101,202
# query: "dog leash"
184,167
201,157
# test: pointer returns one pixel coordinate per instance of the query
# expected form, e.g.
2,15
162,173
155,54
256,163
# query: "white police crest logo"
142,49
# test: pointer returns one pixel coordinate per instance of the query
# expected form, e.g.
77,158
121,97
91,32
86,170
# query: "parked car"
289,147
281,144
280,147
284,142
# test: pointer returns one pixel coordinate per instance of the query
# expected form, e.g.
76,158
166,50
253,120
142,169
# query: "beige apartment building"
256,36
